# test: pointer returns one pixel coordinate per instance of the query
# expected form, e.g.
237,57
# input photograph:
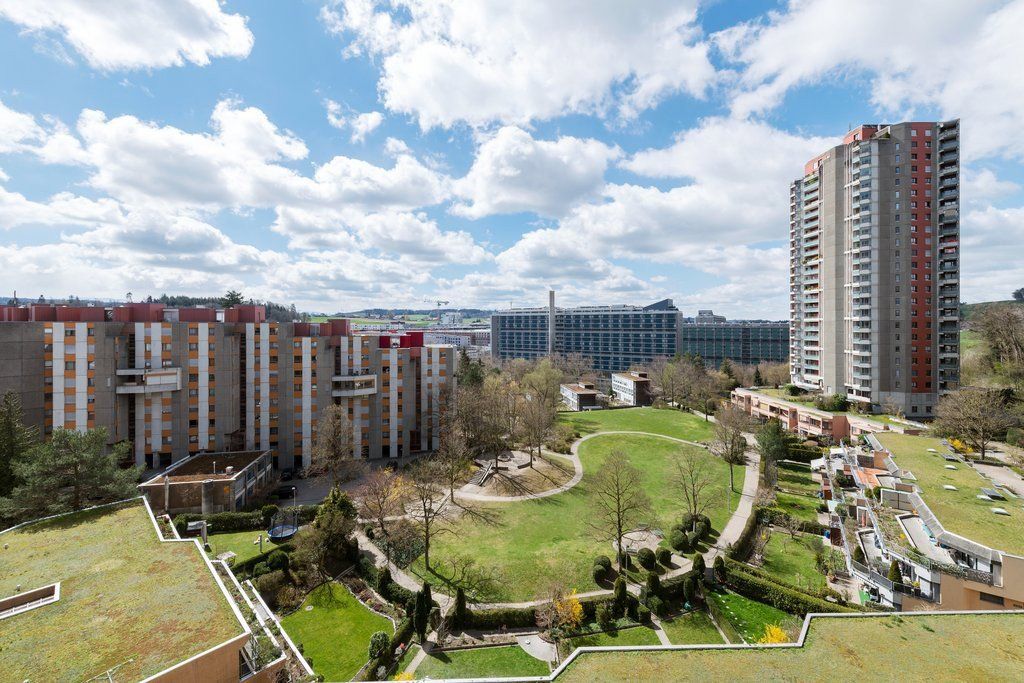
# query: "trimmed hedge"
245,567
226,522
778,596
672,588
732,565
509,617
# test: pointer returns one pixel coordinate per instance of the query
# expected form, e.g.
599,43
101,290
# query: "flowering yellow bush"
773,633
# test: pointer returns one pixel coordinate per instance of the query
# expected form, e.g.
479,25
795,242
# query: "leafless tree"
430,513
540,406
729,443
618,501
573,366
665,375
334,450
381,498
694,479
506,400
978,416
452,460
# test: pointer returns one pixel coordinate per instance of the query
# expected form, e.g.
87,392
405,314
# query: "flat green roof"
913,646
124,595
961,512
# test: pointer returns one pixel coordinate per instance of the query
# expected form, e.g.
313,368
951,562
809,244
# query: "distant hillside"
969,311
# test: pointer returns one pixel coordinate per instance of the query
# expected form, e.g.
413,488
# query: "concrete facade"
177,382
874,267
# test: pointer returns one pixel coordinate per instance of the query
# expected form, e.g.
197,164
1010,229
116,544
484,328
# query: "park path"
730,534
659,630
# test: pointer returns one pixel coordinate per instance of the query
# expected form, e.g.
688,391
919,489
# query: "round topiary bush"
259,569
277,560
664,556
692,539
643,615
656,605
603,561
379,644
677,539
653,584
646,558
688,520
599,573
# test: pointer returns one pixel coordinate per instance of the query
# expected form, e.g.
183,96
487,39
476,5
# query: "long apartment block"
175,382
618,338
875,267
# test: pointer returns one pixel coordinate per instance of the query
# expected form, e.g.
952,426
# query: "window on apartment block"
988,597
69,365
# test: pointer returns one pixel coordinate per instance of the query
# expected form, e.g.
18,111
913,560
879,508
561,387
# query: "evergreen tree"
895,575
758,378
16,439
232,298
461,614
422,613
70,472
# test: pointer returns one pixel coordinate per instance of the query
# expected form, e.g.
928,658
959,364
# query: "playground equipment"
284,525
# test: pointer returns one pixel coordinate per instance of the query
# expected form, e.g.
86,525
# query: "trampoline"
283,526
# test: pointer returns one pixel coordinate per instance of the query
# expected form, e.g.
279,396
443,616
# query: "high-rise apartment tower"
875,267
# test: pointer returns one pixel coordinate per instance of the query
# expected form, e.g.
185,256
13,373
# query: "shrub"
679,541
793,390
646,558
643,615
603,561
699,566
619,599
603,615
507,617
653,584
664,557
895,575
403,632
277,560
719,568
633,608
702,530
599,573
656,605
692,539
779,596
858,555
260,569
267,513
689,589
834,403
269,585
741,548
689,519
380,642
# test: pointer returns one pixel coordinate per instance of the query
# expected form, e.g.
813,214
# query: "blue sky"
342,154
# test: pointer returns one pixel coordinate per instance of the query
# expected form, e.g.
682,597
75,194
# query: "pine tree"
16,439
758,378
70,472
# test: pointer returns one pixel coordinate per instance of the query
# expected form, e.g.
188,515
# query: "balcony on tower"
349,386
148,380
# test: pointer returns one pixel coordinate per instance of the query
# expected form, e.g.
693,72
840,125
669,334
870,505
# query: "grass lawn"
335,634
124,595
532,542
668,422
792,559
798,480
750,617
692,628
921,647
960,511
801,507
240,543
635,635
486,662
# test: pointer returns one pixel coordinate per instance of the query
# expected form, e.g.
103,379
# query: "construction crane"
439,305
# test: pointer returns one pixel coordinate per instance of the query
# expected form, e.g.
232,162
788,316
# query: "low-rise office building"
177,382
631,388
580,396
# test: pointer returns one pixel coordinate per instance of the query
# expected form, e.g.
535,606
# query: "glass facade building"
747,343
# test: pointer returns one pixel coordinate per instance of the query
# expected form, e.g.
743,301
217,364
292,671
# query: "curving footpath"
730,534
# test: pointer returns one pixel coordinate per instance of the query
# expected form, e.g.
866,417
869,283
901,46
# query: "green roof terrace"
128,602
